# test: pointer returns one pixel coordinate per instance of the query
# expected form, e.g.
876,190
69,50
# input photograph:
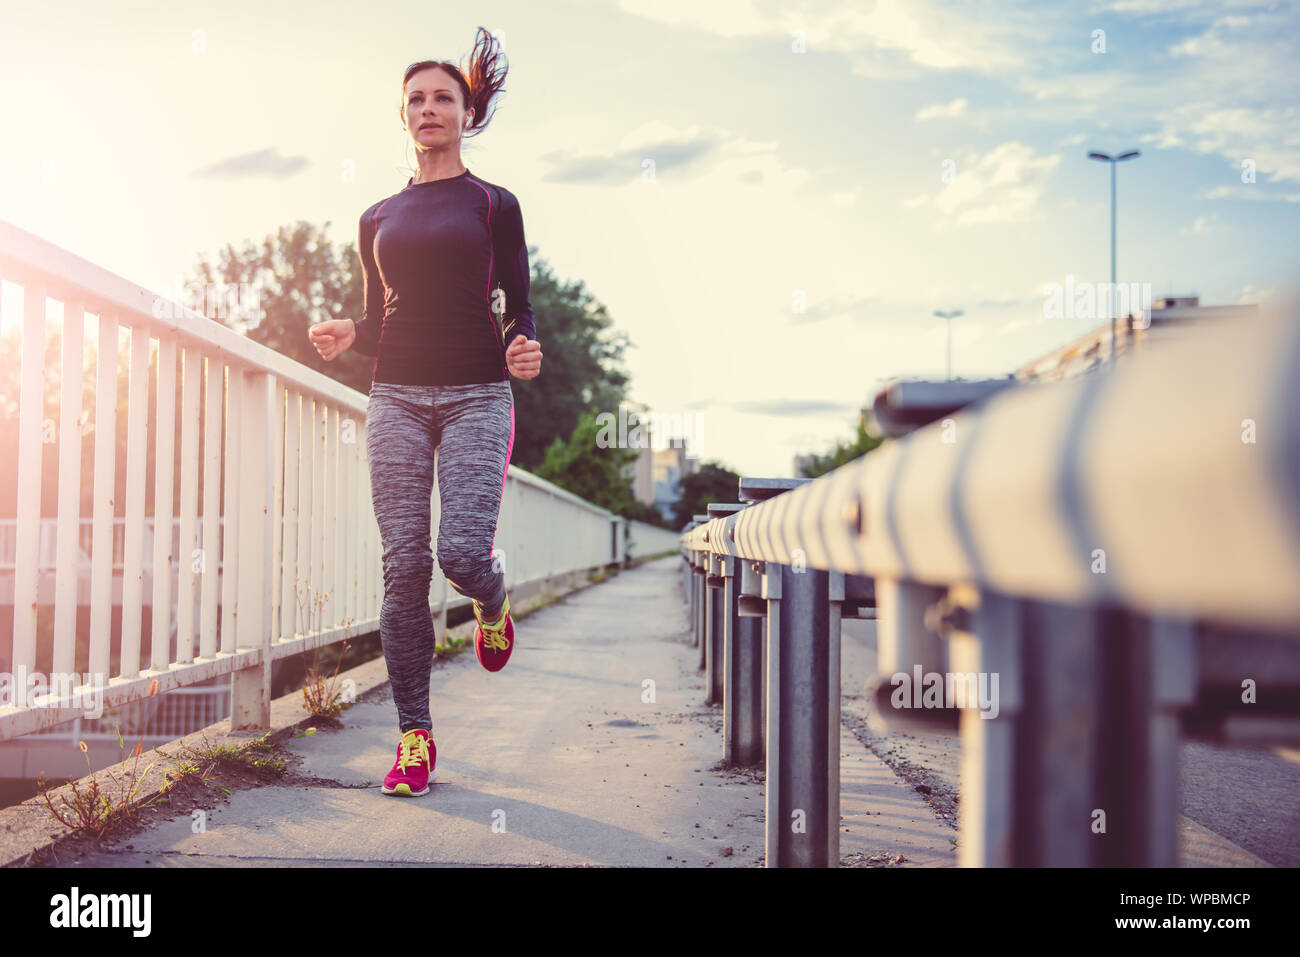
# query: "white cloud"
924,33
1268,135
1003,185
1201,225
1251,294
1249,191
1163,7
943,110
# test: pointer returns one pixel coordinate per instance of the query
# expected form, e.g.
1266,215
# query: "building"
657,474
1170,317
671,465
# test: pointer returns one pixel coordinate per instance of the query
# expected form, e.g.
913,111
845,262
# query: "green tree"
301,278
712,482
843,452
581,366
596,474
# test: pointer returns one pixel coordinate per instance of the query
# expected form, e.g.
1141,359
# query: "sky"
771,199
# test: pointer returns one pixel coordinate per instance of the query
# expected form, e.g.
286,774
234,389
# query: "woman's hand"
332,337
524,357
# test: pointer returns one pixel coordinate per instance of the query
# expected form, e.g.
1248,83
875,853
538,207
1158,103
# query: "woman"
445,275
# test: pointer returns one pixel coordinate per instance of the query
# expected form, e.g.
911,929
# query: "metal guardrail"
286,495
1116,556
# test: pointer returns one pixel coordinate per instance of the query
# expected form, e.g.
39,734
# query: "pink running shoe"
494,640
417,757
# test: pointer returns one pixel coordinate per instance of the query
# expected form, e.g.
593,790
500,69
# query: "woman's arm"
511,256
368,326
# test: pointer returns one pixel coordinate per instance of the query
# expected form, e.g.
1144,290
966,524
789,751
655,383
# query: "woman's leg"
477,424
401,436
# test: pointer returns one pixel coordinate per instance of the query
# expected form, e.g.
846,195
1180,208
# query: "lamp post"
948,317
1112,160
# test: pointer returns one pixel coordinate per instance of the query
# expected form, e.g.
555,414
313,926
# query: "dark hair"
479,84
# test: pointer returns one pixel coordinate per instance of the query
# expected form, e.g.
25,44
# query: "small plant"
321,694
452,647
184,773
93,811
260,754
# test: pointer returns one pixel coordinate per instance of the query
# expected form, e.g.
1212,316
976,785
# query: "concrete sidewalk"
591,747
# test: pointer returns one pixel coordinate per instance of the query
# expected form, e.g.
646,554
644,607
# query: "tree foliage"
712,482
842,453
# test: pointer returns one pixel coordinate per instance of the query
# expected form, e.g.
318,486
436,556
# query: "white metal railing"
285,554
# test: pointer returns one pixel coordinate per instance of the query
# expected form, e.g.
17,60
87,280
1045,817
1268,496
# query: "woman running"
445,277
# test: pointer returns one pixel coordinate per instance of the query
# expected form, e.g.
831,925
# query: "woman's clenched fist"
524,357
332,337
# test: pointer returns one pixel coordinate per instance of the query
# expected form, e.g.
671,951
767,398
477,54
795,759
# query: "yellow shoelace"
414,748
494,636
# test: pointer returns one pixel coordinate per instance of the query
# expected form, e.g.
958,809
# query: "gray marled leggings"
472,428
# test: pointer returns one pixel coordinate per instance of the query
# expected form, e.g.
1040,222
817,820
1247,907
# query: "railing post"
250,688
713,629
688,585
701,607
1081,754
802,718
1056,754
752,585
743,702
986,815
905,646
699,571
738,663
1169,684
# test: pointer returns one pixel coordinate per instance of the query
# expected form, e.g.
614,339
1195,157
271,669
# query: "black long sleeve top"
446,285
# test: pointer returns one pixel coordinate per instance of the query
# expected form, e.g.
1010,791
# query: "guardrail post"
697,588
744,714
737,664
724,626
986,814
803,716
688,587
1076,761
1148,676
714,625
906,647
699,560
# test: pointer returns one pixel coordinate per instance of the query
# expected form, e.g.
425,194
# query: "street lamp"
1112,160
948,317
